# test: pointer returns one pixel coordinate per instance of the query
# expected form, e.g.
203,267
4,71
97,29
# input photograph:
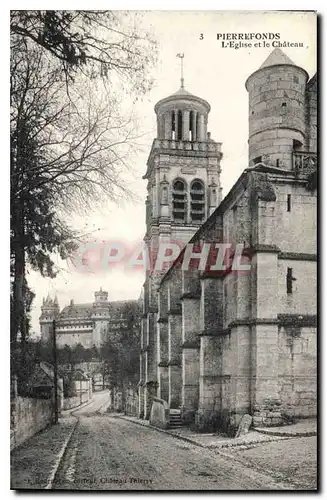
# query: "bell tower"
183,169
183,176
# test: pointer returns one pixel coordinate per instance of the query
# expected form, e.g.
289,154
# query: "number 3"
201,36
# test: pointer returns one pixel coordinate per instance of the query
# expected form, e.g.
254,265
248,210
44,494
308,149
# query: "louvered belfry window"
179,201
197,201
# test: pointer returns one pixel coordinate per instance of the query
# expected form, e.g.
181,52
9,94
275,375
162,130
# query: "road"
109,453
100,400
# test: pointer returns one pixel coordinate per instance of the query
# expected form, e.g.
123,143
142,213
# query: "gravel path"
33,462
108,453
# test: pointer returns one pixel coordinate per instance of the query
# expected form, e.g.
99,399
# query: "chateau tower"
279,111
100,316
183,174
49,312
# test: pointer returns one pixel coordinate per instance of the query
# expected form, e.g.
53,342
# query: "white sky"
211,72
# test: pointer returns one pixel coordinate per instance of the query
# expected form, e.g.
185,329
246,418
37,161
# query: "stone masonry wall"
297,371
29,416
277,113
296,229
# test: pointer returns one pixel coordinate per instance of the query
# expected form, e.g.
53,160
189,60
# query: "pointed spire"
277,57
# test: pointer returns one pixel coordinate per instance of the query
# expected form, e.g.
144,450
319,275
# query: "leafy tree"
120,352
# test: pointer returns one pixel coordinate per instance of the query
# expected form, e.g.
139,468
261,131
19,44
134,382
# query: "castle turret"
277,111
100,316
49,312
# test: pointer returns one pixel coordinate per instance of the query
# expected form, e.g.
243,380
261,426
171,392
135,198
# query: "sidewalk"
33,465
253,437
305,427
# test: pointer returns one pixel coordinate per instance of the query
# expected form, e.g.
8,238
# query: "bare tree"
70,142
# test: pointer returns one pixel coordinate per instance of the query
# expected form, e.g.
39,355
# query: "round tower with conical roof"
277,111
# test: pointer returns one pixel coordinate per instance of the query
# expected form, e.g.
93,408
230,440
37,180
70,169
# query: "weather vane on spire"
181,56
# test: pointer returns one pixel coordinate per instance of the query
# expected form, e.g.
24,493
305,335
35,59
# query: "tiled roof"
77,310
86,310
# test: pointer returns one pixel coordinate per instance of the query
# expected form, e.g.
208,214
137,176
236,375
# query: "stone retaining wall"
28,416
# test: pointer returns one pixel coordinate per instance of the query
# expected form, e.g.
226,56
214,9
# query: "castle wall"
71,339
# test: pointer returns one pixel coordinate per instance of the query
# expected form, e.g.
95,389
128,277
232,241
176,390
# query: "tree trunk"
18,303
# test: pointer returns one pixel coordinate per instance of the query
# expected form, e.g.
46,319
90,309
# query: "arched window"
179,201
173,126
197,201
180,126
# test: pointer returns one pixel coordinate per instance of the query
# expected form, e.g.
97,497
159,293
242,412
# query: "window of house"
179,201
197,201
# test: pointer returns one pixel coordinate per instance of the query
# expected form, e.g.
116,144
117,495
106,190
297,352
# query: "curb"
285,434
59,458
217,447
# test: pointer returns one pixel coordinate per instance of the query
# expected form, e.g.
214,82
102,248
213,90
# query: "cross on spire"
181,56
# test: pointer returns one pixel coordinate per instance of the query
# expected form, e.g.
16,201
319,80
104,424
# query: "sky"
212,72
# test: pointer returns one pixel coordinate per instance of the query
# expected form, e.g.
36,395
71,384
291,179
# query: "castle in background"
89,324
215,346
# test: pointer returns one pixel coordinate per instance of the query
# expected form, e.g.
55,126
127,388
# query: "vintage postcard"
163,250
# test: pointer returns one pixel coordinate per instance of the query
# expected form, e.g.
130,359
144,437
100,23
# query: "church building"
218,345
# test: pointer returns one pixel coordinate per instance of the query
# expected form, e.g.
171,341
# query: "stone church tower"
183,174
220,343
